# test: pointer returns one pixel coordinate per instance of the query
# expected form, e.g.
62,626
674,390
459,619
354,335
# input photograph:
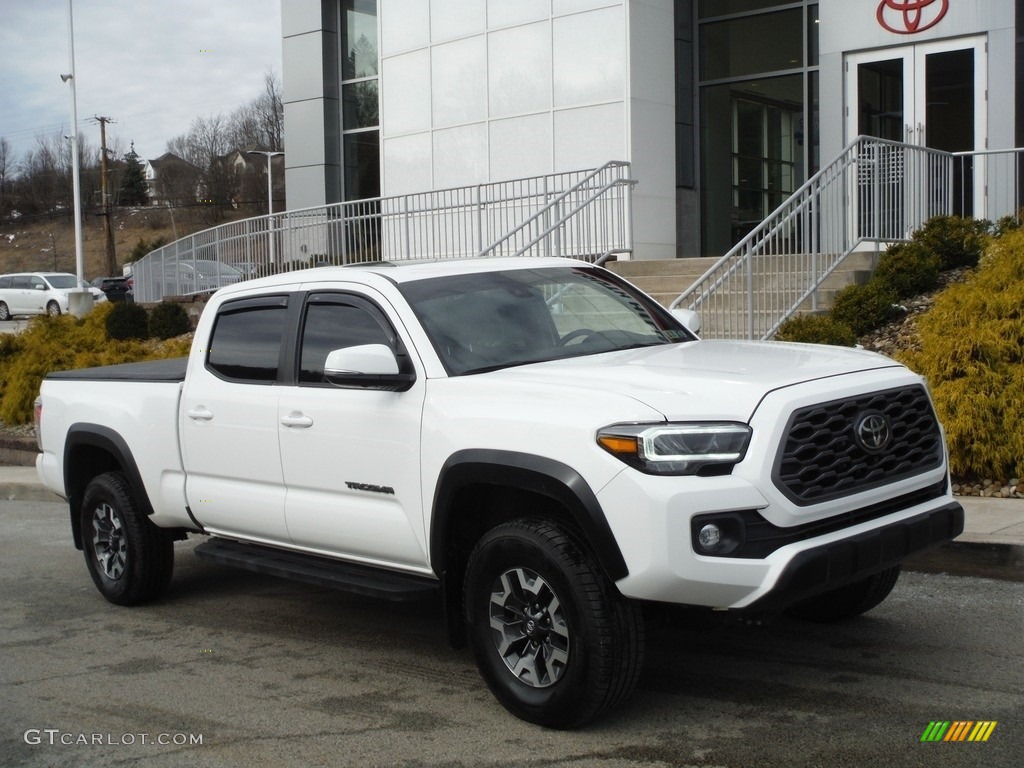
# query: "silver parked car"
39,293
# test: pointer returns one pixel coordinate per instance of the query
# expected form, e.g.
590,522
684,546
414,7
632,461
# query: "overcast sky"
150,65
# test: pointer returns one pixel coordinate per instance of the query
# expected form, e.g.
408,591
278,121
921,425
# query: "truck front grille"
839,448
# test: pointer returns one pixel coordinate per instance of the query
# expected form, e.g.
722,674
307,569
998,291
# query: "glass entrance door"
929,94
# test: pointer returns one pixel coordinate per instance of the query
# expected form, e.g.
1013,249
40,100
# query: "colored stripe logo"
959,730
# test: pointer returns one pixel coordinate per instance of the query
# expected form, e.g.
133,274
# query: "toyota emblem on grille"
873,432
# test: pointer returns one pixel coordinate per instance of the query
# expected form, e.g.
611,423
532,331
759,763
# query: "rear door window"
248,339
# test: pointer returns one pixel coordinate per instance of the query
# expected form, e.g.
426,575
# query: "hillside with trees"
36,199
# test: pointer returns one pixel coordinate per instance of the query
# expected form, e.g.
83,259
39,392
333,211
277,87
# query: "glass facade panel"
362,165
359,56
360,107
757,112
360,110
751,44
752,150
709,8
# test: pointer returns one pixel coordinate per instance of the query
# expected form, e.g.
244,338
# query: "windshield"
62,281
485,321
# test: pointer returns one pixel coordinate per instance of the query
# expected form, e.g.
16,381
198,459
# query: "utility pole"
108,228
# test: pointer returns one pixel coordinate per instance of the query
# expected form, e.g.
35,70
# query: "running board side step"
320,571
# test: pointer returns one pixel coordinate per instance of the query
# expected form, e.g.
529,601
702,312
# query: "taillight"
38,417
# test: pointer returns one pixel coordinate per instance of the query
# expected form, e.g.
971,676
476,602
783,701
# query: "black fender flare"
527,472
102,438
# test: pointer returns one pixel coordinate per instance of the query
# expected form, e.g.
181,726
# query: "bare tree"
260,123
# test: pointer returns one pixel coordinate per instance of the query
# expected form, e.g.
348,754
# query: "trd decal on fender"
371,488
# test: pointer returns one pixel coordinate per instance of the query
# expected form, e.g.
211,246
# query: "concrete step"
666,279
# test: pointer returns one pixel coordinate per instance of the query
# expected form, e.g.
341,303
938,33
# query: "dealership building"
722,107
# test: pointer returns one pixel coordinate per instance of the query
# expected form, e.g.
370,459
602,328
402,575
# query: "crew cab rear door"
350,454
229,422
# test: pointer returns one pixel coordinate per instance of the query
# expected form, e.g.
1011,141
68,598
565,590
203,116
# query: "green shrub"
816,329
127,320
958,242
1009,223
144,247
972,351
64,343
863,308
909,269
169,319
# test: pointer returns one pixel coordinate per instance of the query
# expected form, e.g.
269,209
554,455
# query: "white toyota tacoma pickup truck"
534,443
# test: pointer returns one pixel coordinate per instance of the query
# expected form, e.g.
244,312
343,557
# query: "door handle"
200,413
297,419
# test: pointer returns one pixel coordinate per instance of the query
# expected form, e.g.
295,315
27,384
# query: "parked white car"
39,293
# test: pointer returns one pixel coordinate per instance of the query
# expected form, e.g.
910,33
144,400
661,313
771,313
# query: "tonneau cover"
172,370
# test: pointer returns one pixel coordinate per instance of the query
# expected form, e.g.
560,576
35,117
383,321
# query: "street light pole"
270,198
80,301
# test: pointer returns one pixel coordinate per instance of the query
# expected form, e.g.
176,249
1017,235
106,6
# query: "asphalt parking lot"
233,669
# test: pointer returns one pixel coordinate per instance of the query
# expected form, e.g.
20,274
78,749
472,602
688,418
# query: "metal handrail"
875,191
581,214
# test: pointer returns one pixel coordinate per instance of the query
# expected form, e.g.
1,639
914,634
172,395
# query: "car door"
229,423
21,295
351,455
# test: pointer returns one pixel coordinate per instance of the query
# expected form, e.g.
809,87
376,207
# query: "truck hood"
717,379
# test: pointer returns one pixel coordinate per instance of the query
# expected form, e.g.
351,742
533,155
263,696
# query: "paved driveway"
265,672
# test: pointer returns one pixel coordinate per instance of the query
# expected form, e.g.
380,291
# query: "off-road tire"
534,590
849,601
130,559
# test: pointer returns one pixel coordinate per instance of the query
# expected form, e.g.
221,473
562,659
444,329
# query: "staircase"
874,193
666,279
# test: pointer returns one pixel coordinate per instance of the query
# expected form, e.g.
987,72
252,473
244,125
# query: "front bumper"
653,522
835,565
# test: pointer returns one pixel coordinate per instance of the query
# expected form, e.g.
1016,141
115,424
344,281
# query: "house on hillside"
172,180
241,177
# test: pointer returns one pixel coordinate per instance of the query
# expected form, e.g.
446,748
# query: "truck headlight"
698,448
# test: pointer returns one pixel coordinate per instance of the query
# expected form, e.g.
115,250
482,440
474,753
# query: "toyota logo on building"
873,432
907,17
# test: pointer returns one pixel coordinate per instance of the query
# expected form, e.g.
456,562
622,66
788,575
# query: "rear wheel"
552,637
849,601
130,559
5,312
53,309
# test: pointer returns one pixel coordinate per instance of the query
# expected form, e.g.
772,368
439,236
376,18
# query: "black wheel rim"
110,548
529,627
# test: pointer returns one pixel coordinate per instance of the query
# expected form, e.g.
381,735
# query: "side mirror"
689,318
368,366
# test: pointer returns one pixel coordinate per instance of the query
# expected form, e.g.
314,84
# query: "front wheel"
552,637
5,312
130,559
849,601
53,309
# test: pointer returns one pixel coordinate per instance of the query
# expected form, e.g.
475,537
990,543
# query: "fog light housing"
719,534
709,537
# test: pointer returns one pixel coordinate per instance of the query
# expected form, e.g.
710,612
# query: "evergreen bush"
127,320
169,319
816,329
958,242
863,308
972,352
909,269
65,343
